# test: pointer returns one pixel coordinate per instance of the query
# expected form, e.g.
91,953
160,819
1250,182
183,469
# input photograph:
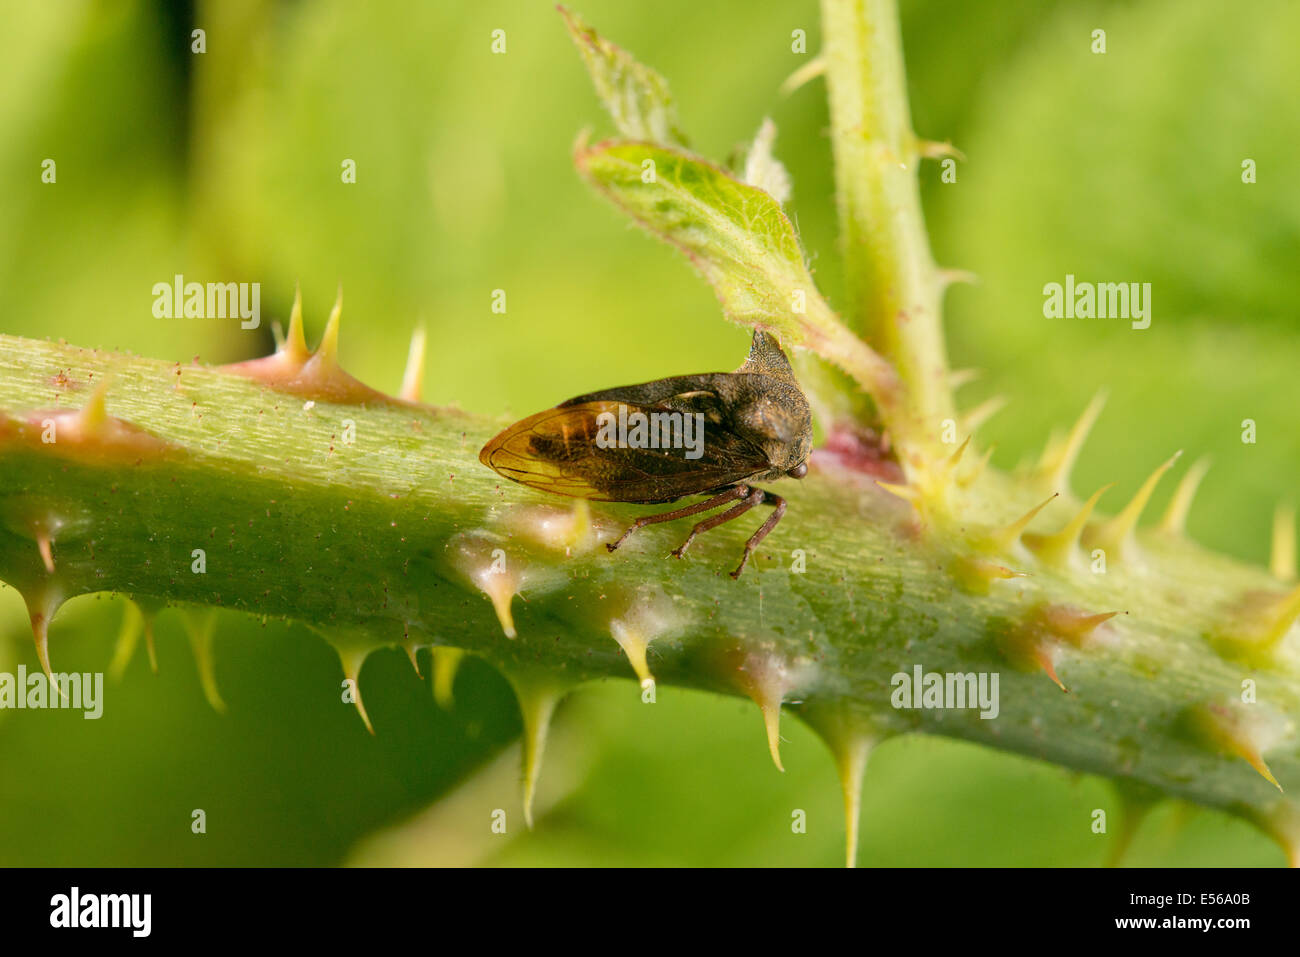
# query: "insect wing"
557,451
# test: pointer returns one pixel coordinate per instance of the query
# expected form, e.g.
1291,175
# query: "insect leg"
752,498
735,492
778,510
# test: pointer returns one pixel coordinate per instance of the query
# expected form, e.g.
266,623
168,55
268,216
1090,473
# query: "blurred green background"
226,166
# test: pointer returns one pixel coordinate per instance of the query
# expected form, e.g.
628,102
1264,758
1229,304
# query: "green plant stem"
891,284
365,540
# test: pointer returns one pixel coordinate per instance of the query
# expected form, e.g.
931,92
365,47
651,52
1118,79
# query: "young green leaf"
636,96
741,242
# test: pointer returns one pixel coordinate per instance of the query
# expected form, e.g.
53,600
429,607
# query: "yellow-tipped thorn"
446,663
201,629
1282,557
128,637
1174,520
328,350
413,378
537,701
1055,549
1113,535
1057,461
977,416
43,545
1246,731
634,646
851,761
771,709
295,341
1002,539
806,73
502,594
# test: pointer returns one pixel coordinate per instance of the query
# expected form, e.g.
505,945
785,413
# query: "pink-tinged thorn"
1047,661
47,554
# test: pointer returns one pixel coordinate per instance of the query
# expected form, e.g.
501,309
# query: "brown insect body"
755,425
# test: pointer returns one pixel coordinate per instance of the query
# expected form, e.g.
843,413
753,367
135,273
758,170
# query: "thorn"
851,762
906,492
977,416
93,415
976,470
809,71
413,378
1114,534
295,343
1055,550
1045,657
950,277
1281,822
47,555
1135,803
1175,517
1246,731
956,456
931,149
128,637
1257,625
201,627
1057,461
1070,623
328,350
537,700
446,663
634,646
960,377
411,647
976,575
1282,558
352,655
1002,539
502,594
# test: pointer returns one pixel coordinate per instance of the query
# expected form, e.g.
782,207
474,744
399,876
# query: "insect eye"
799,471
